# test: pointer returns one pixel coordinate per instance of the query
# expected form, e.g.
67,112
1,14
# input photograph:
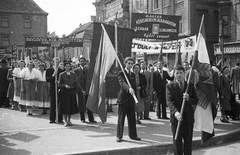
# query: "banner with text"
187,45
54,42
153,26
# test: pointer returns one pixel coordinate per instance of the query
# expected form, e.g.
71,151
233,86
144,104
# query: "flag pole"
184,100
56,83
134,96
116,41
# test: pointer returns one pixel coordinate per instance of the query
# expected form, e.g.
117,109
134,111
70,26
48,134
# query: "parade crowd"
28,86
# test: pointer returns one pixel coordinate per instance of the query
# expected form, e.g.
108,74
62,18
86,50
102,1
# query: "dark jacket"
3,81
81,75
174,99
142,84
159,82
51,79
124,97
225,87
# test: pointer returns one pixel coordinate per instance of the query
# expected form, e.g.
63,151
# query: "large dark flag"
205,88
104,61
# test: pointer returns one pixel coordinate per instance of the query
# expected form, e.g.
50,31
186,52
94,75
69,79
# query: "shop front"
230,55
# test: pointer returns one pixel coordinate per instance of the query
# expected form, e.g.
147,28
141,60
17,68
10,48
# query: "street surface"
25,135
227,149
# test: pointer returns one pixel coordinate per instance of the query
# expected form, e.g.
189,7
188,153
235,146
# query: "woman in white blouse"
42,97
17,82
29,87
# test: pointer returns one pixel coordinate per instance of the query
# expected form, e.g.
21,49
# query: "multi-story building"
20,19
190,11
228,47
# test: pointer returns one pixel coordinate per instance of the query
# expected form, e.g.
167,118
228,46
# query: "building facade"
20,19
228,47
191,12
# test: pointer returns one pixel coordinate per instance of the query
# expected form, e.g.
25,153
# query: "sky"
64,16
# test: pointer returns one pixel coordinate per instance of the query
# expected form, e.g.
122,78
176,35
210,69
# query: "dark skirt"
10,92
225,104
67,102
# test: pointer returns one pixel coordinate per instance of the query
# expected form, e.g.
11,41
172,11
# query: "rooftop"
20,6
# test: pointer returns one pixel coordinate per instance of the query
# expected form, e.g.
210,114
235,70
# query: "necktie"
181,86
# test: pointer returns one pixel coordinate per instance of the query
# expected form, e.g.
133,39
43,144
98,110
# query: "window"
4,21
99,17
155,4
225,25
27,22
165,2
5,40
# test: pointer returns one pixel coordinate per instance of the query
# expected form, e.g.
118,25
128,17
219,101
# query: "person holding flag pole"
126,99
203,115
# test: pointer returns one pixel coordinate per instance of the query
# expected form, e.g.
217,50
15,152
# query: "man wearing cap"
4,84
50,77
81,75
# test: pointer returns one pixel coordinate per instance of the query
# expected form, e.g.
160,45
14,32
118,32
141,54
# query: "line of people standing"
33,86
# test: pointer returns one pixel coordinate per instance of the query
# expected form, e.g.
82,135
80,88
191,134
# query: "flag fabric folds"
205,88
178,60
104,61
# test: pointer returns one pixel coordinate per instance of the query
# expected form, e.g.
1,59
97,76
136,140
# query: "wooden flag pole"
116,41
56,83
183,104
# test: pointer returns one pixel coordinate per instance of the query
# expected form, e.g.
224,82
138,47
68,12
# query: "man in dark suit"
159,83
175,93
81,75
4,84
126,103
50,77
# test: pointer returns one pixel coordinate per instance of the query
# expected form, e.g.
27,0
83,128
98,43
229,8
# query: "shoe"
12,107
224,121
135,138
93,121
147,118
70,123
66,124
118,139
165,118
138,122
29,114
60,122
83,121
52,122
159,117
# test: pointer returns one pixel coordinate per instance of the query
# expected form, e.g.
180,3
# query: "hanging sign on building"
53,42
228,49
187,45
153,26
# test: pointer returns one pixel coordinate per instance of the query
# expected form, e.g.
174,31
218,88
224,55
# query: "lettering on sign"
151,26
54,42
185,44
228,50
